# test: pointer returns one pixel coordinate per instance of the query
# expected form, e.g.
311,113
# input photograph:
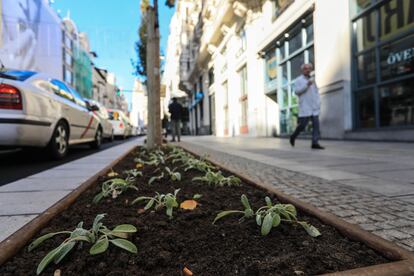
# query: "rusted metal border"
11,245
402,260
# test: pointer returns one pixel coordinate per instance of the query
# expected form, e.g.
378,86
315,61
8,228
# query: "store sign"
401,56
396,17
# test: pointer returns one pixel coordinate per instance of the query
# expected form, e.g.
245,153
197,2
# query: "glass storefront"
383,63
283,61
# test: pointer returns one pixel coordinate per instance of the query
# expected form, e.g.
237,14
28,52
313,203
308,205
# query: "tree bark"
154,138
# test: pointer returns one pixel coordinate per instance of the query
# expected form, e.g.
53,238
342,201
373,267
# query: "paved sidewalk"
23,200
366,183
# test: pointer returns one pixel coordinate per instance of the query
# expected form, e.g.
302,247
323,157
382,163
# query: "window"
210,76
61,90
294,48
383,53
365,109
78,98
396,104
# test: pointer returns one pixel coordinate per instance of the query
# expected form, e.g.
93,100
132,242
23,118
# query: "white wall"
38,45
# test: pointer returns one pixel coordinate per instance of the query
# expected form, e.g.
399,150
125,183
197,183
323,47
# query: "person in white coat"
309,106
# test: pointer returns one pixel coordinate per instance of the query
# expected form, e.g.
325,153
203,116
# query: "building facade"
239,60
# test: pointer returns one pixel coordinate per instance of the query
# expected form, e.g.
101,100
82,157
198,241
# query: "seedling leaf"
126,245
225,213
310,229
126,228
99,247
267,224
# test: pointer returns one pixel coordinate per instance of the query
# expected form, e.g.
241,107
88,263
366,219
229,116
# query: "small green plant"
134,173
270,216
218,179
174,176
197,164
114,187
168,201
99,236
155,178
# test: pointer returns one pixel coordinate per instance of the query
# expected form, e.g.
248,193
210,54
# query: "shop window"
396,17
285,97
397,58
396,104
295,65
295,42
359,5
365,109
311,55
270,70
309,34
365,31
366,68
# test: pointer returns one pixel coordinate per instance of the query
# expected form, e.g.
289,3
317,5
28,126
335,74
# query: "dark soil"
190,240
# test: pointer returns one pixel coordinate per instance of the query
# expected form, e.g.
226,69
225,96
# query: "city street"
15,165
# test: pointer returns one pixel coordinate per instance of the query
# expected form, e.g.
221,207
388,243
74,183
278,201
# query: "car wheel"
98,139
58,145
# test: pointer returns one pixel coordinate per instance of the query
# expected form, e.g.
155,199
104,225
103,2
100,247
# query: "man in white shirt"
309,105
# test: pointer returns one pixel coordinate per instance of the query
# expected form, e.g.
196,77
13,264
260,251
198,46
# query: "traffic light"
118,91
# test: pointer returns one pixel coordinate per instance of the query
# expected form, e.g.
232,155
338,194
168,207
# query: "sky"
112,30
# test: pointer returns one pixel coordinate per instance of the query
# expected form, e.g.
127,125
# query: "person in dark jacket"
175,110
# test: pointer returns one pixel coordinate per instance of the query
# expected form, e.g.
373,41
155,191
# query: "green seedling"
156,178
114,187
134,173
217,179
99,236
159,201
270,216
174,176
155,158
199,165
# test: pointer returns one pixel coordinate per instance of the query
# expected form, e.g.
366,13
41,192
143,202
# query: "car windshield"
16,75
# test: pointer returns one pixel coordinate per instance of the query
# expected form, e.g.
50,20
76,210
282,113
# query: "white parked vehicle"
120,122
39,111
103,115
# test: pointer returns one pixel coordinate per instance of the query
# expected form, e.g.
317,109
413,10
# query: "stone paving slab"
39,184
10,224
23,200
377,205
387,187
24,203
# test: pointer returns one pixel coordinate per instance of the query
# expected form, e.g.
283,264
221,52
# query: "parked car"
120,122
39,111
103,115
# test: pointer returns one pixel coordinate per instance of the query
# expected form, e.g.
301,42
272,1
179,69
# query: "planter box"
162,249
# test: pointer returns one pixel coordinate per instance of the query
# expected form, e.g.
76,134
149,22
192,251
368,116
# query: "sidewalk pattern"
390,218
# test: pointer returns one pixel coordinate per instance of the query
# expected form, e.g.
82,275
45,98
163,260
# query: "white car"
39,111
120,122
103,115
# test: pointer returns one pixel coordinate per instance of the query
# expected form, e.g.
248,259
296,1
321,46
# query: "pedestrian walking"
165,123
309,105
175,110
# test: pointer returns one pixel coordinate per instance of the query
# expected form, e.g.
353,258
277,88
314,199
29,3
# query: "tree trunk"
154,138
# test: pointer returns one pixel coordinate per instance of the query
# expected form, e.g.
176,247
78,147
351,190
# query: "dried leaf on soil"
188,204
